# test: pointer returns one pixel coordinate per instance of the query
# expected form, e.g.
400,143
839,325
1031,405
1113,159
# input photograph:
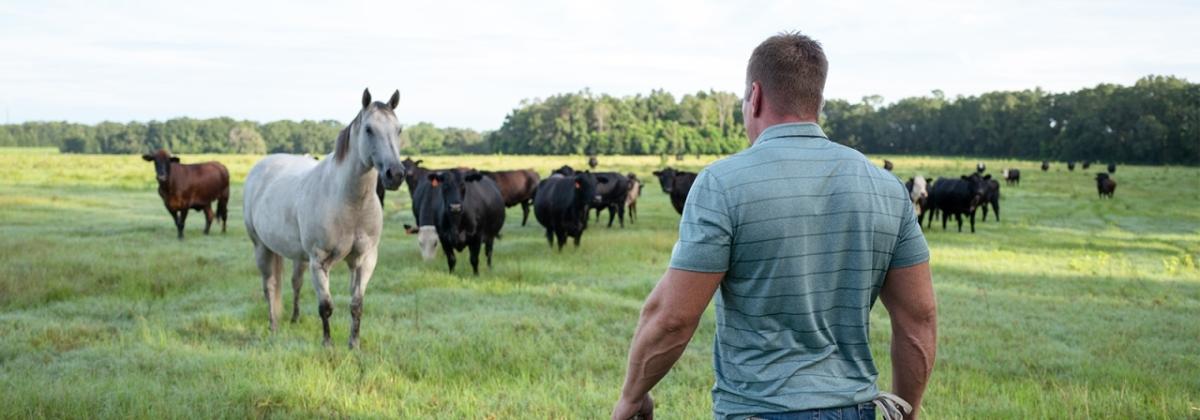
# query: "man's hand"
642,409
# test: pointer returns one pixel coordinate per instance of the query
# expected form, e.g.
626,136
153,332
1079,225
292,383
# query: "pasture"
1071,307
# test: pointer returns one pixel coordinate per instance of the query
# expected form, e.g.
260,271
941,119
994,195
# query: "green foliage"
1157,120
583,123
1072,307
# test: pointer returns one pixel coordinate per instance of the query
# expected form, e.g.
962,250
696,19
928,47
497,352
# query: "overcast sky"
467,65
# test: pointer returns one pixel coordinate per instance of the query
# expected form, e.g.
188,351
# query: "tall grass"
1071,307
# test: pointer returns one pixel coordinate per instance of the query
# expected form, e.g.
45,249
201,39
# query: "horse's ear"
366,97
342,146
147,157
395,99
175,159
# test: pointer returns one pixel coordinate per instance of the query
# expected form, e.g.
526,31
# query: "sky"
468,64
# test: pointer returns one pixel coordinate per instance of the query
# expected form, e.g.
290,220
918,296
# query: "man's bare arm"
908,296
668,321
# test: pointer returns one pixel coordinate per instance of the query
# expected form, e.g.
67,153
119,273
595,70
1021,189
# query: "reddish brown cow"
516,187
191,187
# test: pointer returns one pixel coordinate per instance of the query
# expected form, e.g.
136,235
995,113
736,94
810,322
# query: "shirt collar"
799,131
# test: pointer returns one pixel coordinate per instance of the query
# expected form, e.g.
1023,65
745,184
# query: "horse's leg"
360,275
208,217
180,221
320,279
297,283
473,245
270,265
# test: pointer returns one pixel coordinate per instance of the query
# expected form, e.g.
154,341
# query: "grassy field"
1071,307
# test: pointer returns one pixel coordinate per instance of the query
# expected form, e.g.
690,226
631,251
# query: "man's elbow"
663,319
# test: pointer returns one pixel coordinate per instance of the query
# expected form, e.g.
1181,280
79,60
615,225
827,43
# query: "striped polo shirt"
805,230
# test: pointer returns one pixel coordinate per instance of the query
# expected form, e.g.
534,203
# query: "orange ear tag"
577,186
435,182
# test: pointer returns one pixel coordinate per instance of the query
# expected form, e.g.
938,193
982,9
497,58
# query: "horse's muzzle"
392,176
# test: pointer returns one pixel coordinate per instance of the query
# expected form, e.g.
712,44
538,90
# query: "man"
800,235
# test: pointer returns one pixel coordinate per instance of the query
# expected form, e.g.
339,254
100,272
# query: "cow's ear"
175,159
657,173
409,229
147,157
419,161
988,176
474,176
602,179
928,180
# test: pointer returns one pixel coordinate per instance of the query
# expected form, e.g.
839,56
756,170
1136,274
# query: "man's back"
805,230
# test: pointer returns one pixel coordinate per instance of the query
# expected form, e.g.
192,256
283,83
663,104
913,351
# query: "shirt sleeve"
910,248
706,230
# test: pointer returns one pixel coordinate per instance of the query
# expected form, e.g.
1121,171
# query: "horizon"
470,66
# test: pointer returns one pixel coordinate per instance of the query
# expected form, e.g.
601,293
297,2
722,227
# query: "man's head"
785,82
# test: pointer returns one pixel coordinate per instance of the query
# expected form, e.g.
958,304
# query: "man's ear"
147,157
175,159
756,100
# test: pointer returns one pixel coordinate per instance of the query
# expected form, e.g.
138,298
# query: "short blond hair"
791,69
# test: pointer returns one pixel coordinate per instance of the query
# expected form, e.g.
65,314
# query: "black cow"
1112,168
561,205
980,167
1012,176
1071,165
1045,165
677,184
1087,164
563,171
465,210
1105,185
593,162
612,196
958,197
887,164
992,197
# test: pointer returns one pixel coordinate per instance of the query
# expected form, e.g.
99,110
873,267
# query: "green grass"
1072,307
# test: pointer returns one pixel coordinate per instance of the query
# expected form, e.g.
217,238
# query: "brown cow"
635,191
517,187
191,187
1105,185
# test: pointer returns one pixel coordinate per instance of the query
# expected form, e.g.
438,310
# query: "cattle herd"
968,193
318,212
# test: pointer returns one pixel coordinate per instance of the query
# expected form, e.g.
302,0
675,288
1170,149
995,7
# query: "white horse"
322,212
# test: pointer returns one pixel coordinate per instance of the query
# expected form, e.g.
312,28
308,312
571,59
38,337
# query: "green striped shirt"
805,230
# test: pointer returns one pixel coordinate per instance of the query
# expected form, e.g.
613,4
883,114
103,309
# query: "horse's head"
372,140
162,163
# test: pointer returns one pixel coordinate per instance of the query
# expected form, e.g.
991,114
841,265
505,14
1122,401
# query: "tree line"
1156,120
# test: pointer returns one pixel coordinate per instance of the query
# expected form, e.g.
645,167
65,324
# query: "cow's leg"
577,237
320,279
620,215
487,250
972,217
360,275
270,265
958,218
180,221
451,259
562,238
632,212
996,209
208,217
985,211
945,218
297,281
550,237
524,212
612,213
473,245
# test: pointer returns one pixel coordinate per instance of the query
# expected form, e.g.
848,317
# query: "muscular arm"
908,296
669,318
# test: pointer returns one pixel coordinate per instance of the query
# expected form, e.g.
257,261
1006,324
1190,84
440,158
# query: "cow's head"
162,163
978,187
427,240
666,178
